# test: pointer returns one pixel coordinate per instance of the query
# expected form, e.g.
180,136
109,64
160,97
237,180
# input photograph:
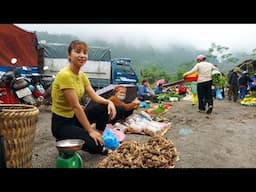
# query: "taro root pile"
158,152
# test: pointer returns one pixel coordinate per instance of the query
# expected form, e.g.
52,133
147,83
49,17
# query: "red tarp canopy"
19,44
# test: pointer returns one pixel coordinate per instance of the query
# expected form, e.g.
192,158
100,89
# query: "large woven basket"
18,125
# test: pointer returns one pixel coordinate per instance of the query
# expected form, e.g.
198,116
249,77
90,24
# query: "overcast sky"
240,37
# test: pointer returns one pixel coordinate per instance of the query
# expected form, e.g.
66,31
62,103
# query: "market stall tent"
17,43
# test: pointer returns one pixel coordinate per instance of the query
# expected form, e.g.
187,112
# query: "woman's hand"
136,101
185,74
111,110
97,137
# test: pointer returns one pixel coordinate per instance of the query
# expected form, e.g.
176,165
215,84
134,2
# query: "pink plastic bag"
118,133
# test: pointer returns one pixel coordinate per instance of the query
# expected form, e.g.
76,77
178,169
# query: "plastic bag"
110,140
218,94
118,129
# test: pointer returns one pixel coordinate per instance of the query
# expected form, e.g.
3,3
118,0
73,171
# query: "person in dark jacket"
243,83
252,84
233,84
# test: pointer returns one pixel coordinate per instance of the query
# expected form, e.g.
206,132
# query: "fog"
238,37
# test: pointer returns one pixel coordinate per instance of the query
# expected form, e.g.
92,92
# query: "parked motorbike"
47,84
15,88
36,87
6,94
41,87
21,91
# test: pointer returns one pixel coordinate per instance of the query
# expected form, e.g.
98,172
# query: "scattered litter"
185,131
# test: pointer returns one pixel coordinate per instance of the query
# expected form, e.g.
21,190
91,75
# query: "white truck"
100,68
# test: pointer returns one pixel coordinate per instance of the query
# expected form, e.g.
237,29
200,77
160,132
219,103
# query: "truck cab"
123,72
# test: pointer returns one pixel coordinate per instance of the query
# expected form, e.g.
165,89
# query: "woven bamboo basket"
18,126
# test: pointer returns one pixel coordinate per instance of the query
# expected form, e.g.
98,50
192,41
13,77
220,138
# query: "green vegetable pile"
160,108
164,97
218,81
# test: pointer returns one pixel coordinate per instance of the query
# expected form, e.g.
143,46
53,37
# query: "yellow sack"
195,98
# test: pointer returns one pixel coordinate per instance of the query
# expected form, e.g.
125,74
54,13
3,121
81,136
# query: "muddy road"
224,139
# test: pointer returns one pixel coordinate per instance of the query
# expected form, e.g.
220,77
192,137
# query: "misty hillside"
168,60
176,57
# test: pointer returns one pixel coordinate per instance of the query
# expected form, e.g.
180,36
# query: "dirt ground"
224,139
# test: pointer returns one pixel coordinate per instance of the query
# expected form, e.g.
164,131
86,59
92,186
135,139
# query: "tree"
253,53
182,68
152,73
220,55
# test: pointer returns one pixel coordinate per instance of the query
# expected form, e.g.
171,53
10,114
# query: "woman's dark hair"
75,44
143,81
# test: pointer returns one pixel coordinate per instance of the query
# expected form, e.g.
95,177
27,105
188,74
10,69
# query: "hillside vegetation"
170,63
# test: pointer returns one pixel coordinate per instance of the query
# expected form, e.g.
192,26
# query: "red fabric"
37,93
192,77
19,44
182,89
8,98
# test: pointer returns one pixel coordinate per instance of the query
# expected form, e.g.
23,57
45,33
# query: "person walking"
204,83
